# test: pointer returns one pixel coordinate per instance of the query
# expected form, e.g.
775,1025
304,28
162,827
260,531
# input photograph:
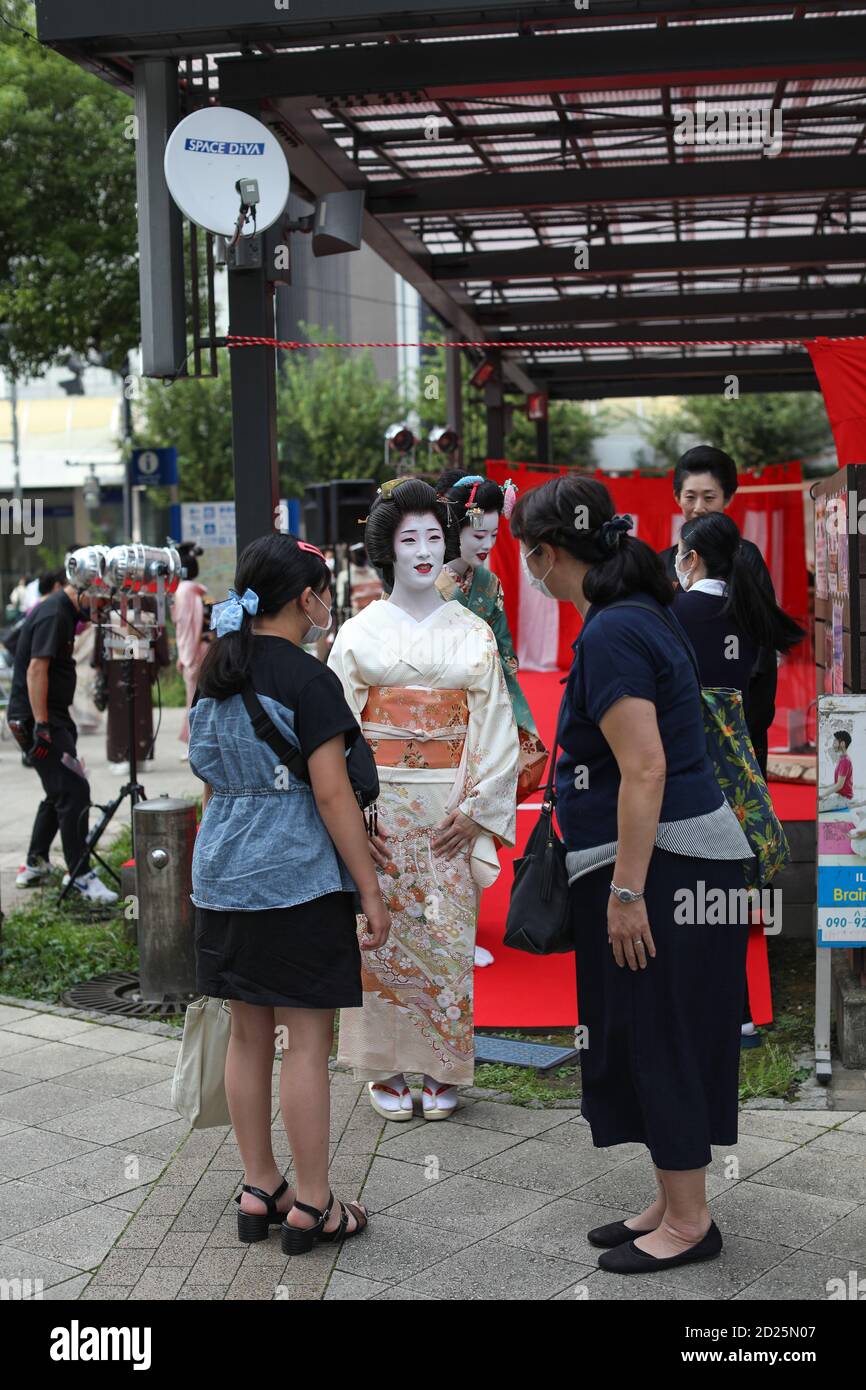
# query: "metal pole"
16,442
254,406
542,441
454,394
126,417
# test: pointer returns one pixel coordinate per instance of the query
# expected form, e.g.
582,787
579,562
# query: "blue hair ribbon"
228,616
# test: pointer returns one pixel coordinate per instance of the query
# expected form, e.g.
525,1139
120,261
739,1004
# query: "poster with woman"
842,820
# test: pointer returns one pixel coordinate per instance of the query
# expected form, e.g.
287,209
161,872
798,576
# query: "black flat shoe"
628,1259
616,1233
252,1227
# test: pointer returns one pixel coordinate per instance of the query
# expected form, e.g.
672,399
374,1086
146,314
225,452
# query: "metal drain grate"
541,1056
117,992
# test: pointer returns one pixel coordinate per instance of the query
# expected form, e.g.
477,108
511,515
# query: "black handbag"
539,917
360,764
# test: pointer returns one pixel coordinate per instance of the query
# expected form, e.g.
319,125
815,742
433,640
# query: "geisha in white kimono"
424,680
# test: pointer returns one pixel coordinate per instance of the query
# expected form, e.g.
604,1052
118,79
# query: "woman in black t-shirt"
276,863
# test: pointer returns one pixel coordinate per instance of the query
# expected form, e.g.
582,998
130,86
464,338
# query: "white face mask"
538,584
683,576
314,633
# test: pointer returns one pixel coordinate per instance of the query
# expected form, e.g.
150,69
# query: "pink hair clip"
305,545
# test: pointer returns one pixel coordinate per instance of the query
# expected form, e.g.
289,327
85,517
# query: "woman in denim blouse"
275,866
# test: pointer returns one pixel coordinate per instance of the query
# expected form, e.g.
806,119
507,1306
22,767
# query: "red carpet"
523,991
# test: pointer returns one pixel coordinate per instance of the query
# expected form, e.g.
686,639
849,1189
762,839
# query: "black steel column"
454,394
254,406
542,441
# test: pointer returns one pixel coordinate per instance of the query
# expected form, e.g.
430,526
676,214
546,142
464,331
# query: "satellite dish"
208,152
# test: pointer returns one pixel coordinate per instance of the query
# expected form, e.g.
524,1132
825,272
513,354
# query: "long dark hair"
409,496
716,539
278,570
570,511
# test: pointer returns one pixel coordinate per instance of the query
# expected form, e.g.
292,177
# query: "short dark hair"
48,581
843,737
705,459
629,566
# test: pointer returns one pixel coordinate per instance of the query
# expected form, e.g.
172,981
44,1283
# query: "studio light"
444,440
401,439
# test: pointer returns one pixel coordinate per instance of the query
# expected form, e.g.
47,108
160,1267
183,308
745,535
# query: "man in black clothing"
705,480
43,688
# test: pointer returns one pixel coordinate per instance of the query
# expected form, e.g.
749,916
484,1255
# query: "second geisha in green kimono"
475,507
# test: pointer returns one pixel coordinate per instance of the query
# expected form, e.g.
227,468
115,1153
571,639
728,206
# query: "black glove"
41,746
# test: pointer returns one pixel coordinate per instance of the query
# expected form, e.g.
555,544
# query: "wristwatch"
625,895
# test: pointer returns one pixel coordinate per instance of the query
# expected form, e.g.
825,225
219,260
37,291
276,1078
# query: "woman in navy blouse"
650,841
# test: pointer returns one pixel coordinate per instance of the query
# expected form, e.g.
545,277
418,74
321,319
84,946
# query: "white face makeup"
476,542
419,552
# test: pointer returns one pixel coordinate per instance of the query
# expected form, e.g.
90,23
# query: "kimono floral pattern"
739,777
424,970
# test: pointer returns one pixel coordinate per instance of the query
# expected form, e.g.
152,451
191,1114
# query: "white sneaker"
118,769
29,875
438,1100
483,956
92,888
391,1099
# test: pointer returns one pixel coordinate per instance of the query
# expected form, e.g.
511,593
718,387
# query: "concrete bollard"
164,840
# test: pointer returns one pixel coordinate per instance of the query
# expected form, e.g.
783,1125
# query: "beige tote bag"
198,1091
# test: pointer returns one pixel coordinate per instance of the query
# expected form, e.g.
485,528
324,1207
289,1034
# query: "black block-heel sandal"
299,1240
342,1232
252,1226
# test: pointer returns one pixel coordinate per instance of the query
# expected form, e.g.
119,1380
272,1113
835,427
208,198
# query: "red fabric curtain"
773,520
841,371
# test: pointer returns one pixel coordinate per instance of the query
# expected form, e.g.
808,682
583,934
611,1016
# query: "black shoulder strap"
267,731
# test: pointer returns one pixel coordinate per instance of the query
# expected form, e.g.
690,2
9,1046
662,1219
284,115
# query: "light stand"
136,644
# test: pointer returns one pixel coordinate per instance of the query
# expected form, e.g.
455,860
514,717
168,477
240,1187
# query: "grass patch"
47,946
172,690
523,1085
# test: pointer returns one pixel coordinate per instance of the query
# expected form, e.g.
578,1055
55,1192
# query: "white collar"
708,586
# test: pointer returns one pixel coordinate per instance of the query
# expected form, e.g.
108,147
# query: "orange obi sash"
415,727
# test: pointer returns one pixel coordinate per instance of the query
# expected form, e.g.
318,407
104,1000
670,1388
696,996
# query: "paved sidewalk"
104,1194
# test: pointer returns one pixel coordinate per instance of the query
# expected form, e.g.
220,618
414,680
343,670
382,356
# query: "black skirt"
302,957
661,1060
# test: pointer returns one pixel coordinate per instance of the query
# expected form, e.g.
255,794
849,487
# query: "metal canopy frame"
492,140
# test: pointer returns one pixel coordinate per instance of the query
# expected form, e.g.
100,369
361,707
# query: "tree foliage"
757,430
68,241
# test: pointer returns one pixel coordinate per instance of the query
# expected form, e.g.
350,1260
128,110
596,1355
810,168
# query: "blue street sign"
153,467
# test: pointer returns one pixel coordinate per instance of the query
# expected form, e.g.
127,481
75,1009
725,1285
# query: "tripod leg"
91,843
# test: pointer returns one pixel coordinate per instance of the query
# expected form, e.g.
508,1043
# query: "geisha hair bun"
457,487
412,496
